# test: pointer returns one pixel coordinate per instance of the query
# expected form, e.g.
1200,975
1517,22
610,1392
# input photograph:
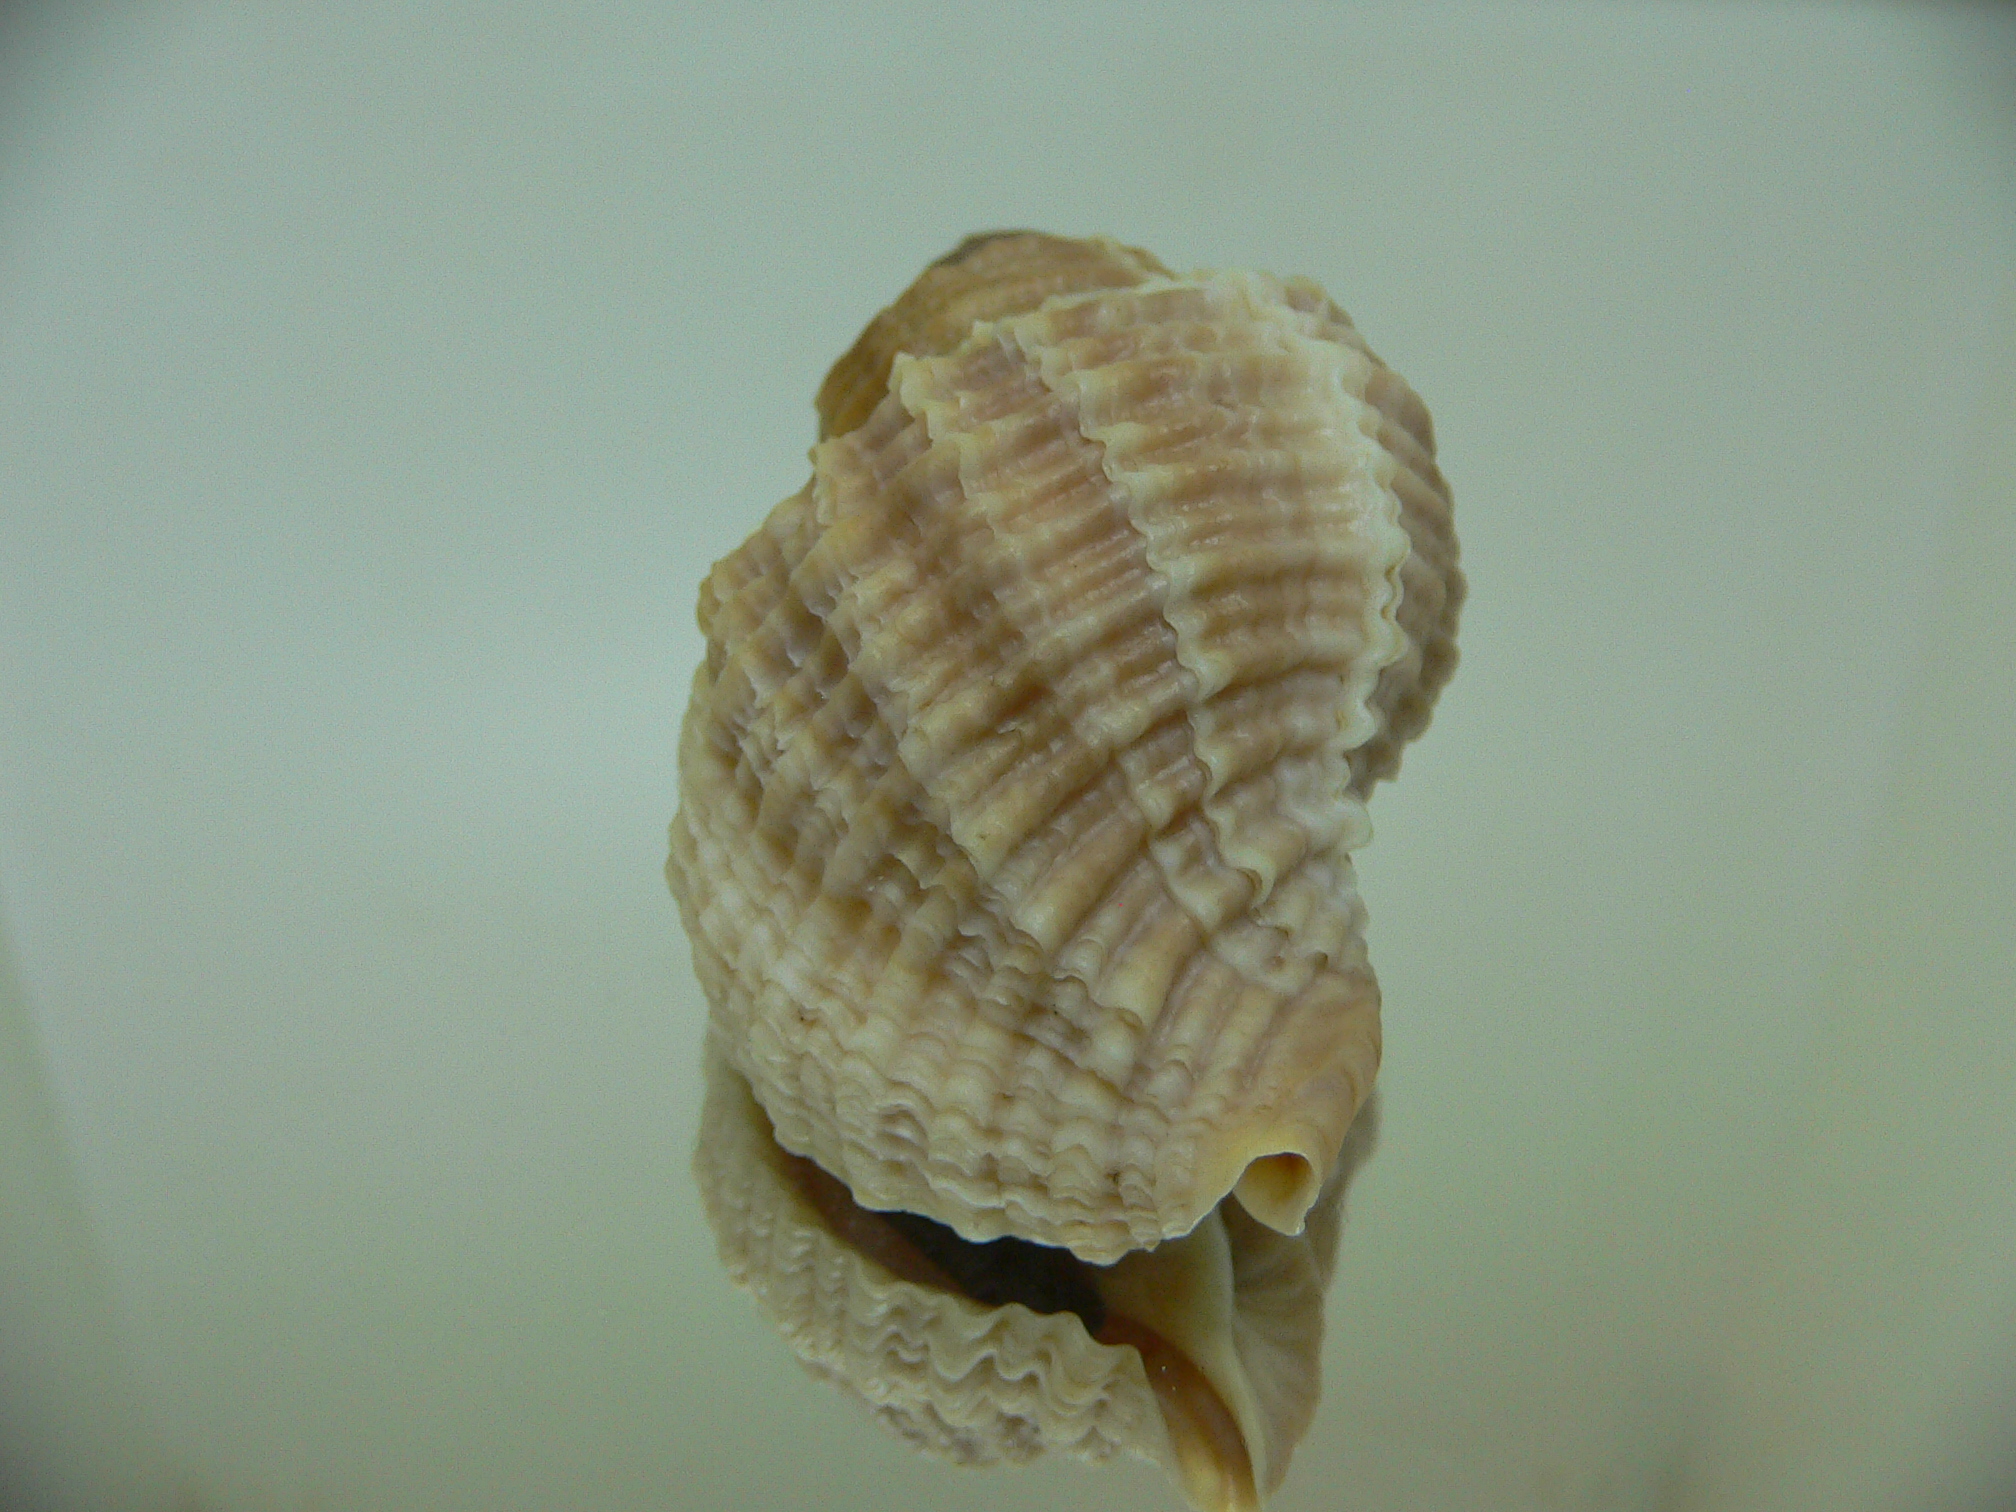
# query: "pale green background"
377,381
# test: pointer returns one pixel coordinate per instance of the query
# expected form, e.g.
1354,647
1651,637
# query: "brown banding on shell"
986,277
1020,780
1019,788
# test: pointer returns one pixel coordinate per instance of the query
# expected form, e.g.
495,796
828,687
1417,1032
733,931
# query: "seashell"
1201,1356
1033,735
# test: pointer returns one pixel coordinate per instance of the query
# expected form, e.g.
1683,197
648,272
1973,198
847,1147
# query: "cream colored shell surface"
1021,775
973,1384
979,1385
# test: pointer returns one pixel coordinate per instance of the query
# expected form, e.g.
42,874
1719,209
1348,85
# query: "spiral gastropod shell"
1021,775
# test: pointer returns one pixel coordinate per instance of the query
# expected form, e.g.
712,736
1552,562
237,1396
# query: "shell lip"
1199,1354
1279,1189
1215,1447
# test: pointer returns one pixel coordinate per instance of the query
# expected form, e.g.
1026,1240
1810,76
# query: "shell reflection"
1201,1355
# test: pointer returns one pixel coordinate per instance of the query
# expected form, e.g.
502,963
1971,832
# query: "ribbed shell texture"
1021,775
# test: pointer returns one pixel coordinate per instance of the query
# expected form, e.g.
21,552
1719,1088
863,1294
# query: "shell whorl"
1231,1315
1021,774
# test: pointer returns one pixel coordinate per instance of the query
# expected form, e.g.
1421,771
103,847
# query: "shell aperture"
1201,1356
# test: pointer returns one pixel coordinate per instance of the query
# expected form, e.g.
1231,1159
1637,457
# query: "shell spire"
1021,776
